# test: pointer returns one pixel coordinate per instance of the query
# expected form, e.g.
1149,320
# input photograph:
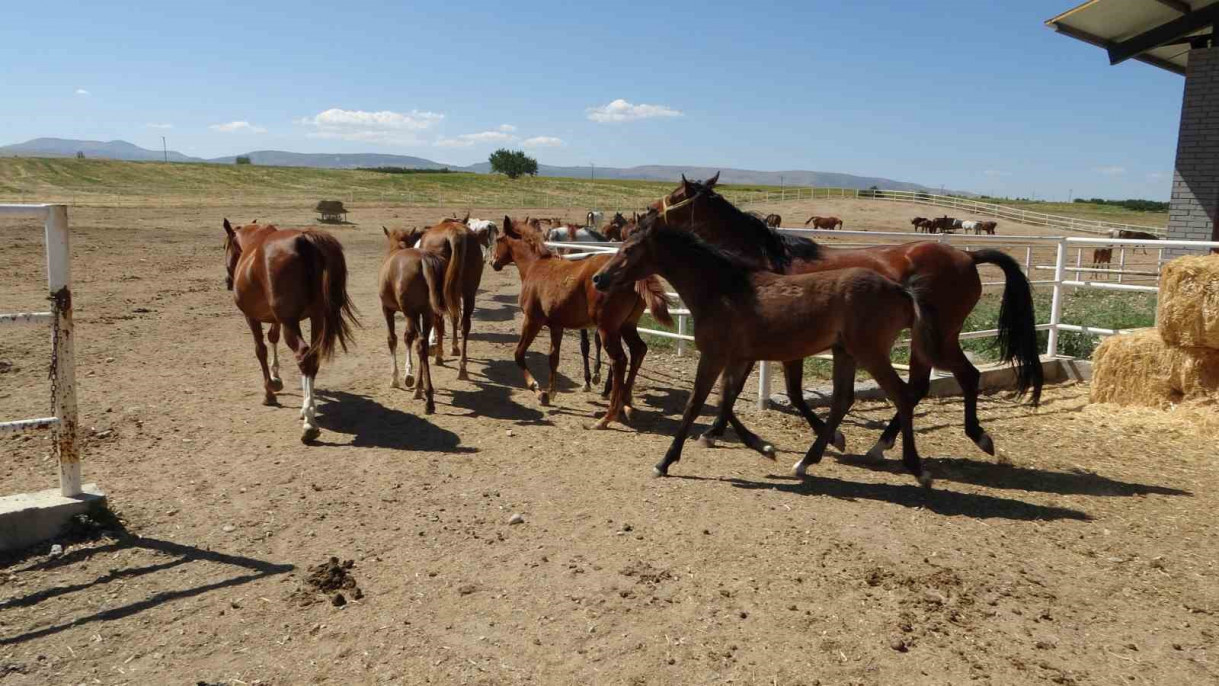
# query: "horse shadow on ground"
1003,476
498,314
373,425
248,570
506,298
494,401
506,373
494,336
939,501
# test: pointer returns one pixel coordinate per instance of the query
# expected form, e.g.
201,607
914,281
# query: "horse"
457,244
484,231
919,223
559,294
570,233
743,314
280,277
412,282
1102,256
613,228
593,218
988,226
1135,235
941,224
949,277
829,223
774,220
970,225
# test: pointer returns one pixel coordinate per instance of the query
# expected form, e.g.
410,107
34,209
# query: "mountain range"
122,150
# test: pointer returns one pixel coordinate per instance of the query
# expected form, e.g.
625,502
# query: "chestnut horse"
280,277
743,314
559,294
949,276
829,223
460,247
774,221
412,282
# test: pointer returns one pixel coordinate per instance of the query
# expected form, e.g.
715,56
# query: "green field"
1086,210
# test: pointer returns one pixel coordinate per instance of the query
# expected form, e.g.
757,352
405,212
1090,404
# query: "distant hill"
122,150
105,150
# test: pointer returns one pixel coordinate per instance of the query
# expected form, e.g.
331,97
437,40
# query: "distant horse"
1134,235
412,282
559,294
986,227
941,224
829,223
484,231
774,221
743,314
457,244
613,228
1102,256
948,275
920,223
970,225
593,218
280,277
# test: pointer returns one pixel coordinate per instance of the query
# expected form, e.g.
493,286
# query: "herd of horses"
754,294
946,224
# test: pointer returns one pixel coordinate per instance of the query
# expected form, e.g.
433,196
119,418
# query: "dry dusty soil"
1089,559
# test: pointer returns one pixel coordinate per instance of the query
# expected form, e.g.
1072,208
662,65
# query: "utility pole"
593,172
164,149
1070,194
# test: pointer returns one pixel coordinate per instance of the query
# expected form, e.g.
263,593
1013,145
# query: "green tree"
512,163
80,155
244,159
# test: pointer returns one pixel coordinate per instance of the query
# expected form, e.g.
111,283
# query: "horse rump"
328,269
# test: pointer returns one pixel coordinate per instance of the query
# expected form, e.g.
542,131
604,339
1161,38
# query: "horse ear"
685,186
466,219
228,228
509,227
710,183
254,222
385,229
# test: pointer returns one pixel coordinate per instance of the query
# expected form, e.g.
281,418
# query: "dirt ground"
1090,559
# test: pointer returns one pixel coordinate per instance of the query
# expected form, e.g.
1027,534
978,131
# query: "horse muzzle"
602,282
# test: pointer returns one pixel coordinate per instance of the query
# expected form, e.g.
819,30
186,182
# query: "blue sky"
975,95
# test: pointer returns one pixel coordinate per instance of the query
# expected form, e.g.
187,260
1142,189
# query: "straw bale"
1139,368
1189,302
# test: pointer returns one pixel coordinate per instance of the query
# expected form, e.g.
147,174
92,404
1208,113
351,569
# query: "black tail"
1017,323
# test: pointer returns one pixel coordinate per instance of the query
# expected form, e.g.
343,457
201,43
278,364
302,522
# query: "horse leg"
733,382
467,312
968,377
277,384
308,368
392,341
613,346
597,367
709,368
584,353
900,394
529,331
920,382
844,397
424,386
260,350
437,338
556,342
410,339
639,350
793,375
716,430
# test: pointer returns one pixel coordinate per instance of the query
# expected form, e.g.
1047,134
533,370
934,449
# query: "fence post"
1060,263
681,331
63,366
1028,262
1079,259
1121,263
763,385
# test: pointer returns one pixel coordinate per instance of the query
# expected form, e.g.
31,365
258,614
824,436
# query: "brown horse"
742,314
613,228
279,278
949,277
559,294
774,221
454,241
828,223
412,282
988,227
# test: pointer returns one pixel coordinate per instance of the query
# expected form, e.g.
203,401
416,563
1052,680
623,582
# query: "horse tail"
924,330
454,276
1017,338
433,268
653,293
326,265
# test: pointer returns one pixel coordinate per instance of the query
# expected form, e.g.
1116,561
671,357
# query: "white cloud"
82,91
1156,176
542,142
1110,170
995,173
506,128
377,127
466,140
620,110
159,126
237,127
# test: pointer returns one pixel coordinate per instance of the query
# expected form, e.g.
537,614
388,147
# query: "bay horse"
613,228
280,277
454,241
412,282
949,277
559,294
987,227
743,314
920,224
774,221
829,223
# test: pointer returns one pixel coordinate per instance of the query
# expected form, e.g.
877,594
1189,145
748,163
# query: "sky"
978,95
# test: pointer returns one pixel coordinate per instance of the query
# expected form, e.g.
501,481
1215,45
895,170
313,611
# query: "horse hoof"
408,382
876,453
439,361
463,375
310,434
277,385
768,451
544,398
658,472
986,444
587,388
418,394
840,441
800,469
395,384
429,409
925,480
706,441
597,377
599,426
270,401
628,414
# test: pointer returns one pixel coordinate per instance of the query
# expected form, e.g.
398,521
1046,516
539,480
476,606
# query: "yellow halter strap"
665,207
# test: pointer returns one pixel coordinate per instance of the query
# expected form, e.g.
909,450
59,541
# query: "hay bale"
1139,368
1189,302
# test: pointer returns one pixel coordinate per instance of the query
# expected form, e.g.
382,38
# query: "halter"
665,207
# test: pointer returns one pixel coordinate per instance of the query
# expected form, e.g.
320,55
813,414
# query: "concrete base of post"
30,518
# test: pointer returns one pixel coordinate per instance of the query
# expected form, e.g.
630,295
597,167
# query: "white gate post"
763,385
1028,261
63,365
1060,260
681,331
1121,264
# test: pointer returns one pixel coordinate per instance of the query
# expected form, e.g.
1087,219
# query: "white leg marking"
275,362
395,380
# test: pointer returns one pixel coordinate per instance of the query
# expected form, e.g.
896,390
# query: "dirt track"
1089,560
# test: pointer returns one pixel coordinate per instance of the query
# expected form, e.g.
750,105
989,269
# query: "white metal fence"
63,422
1060,282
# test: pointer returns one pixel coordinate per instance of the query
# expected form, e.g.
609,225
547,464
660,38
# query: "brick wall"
1195,183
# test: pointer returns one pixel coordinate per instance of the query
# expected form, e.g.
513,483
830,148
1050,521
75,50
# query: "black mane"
727,269
777,247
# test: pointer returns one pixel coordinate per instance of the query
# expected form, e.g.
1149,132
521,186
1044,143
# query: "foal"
279,278
559,294
742,315
412,282
458,244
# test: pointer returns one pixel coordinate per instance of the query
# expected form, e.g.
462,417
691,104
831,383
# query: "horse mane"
728,270
780,249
